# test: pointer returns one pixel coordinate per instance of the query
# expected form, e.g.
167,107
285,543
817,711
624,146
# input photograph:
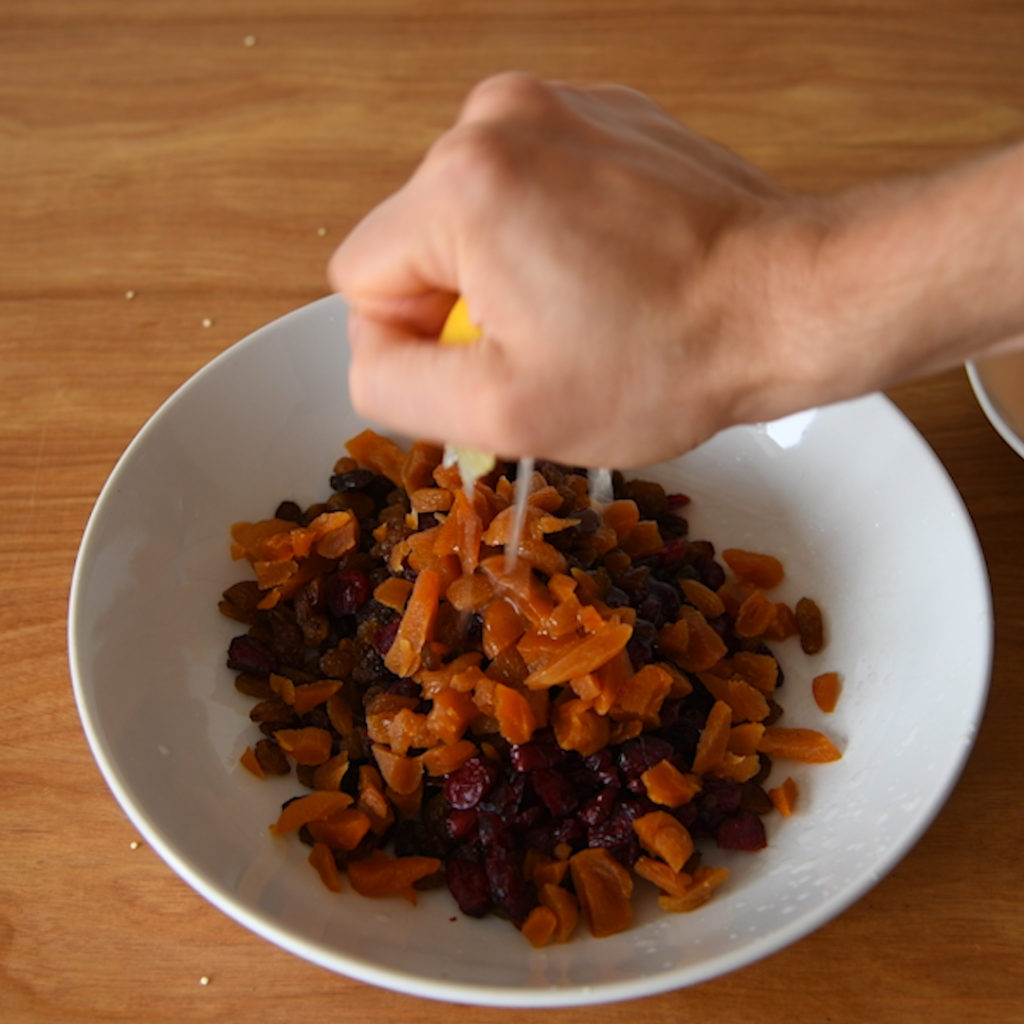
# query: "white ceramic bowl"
998,384
850,497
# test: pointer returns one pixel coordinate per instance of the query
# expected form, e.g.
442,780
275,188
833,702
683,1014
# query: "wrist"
915,275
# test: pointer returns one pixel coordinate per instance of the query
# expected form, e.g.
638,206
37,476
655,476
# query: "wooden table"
173,175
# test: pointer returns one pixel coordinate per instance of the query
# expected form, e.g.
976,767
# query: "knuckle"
477,159
509,94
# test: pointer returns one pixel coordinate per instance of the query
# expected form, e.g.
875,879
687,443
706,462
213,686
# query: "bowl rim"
503,995
991,410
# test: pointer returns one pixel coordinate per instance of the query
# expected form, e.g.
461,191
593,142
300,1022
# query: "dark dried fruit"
468,785
810,626
249,655
467,881
743,831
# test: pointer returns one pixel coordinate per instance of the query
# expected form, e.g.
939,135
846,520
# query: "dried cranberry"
555,791
508,799
617,835
570,832
674,551
465,787
247,654
743,831
506,885
709,572
598,808
643,752
603,768
347,591
460,824
678,500
467,882
718,799
542,751
385,637
493,831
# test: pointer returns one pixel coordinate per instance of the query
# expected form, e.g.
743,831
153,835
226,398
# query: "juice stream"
459,329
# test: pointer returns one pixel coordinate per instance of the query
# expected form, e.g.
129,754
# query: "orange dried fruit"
322,859
784,797
604,889
667,785
587,654
664,836
714,738
798,744
317,806
310,745
381,875
705,881
764,571
825,689
342,831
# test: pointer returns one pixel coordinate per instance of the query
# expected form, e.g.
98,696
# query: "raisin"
271,757
810,626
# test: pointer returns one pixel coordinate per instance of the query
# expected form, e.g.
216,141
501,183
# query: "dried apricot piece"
664,836
342,831
416,626
799,744
604,888
714,738
587,654
825,688
539,926
667,785
317,806
310,745
382,875
705,881
322,859
667,879
578,727
251,763
784,797
516,720
563,905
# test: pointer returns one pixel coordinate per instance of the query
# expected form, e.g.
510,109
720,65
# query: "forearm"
918,275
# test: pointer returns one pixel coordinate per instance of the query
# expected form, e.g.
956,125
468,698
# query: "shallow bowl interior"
849,497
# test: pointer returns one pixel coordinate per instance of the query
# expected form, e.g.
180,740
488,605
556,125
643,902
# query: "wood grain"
144,147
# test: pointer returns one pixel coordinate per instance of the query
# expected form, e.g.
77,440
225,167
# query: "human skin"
640,288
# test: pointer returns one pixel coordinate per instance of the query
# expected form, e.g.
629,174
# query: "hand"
641,288
596,241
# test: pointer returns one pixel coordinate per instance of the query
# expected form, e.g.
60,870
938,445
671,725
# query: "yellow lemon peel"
459,329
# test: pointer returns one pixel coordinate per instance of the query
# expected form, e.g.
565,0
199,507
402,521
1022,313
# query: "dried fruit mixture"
533,733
